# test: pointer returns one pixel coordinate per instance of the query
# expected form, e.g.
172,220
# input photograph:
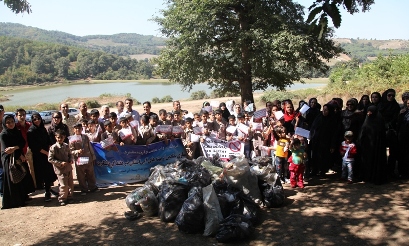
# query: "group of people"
353,141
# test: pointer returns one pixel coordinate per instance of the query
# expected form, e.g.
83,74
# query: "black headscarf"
389,109
60,126
225,112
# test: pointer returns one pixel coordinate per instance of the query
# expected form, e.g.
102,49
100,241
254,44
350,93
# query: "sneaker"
63,203
47,197
54,193
287,181
83,193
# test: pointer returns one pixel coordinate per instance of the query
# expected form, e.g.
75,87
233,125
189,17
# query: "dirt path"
326,212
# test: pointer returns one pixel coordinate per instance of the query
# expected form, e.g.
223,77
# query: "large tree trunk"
246,89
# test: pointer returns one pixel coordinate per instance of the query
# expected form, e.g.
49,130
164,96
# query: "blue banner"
131,163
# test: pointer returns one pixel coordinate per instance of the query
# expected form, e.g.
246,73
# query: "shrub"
93,104
197,95
155,100
167,98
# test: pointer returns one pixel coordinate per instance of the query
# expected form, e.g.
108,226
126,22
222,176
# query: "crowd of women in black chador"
379,124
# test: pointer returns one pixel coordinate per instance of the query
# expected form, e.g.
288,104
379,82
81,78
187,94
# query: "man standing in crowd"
67,119
147,109
176,107
129,110
83,112
120,107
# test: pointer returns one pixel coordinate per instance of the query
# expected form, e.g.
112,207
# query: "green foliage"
111,104
197,95
362,49
217,94
123,44
379,75
155,100
240,46
167,98
93,104
18,6
24,62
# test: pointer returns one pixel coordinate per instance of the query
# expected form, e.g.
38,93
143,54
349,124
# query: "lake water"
142,91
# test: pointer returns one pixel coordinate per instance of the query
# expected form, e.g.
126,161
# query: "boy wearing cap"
84,158
348,151
109,132
60,156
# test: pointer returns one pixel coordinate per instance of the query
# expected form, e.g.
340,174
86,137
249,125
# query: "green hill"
122,44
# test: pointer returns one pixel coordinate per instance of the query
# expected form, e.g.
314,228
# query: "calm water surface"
141,91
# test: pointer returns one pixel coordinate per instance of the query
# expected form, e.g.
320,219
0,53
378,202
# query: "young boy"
163,118
109,132
186,139
348,151
84,161
146,134
93,133
127,135
244,137
297,167
60,156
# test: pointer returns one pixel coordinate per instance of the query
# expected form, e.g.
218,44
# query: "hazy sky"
386,19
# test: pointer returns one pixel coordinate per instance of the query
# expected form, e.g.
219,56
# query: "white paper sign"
177,130
166,129
82,160
257,126
302,132
215,104
75,138
107,142
231,129
225,149
304,108
243,128
125,133
278,114
194,138
134,124
198,130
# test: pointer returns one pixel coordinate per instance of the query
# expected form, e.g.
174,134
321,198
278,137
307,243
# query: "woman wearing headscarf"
14,195
403,136
389,109
291,117
56,124
225,111
363,104
372,148
351,118
324,140
39,143
312,112
375,98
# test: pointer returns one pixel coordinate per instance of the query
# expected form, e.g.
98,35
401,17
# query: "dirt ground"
326,212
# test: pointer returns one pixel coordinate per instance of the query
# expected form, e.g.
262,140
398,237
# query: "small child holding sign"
84,156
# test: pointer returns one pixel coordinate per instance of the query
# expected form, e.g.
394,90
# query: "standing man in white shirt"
128,110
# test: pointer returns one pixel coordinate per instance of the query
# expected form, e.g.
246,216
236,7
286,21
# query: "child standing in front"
297,167
281,151
84,161
60,156
348,151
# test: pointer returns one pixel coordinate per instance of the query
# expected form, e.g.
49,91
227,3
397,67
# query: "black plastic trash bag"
149,204
273,195
191,217
135,196
171,198
244,205
234,228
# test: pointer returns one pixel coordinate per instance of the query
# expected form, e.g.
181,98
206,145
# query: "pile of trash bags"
210,196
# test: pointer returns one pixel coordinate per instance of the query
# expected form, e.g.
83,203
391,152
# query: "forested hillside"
123,44
28,62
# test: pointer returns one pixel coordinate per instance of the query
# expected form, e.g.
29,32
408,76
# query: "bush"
167,98
155,100
94,104
197,95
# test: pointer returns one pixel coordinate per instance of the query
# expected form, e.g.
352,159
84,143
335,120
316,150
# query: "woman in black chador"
372,146
14,195
39,143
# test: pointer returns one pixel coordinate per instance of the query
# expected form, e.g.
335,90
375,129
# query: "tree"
325,8
240,46
18,6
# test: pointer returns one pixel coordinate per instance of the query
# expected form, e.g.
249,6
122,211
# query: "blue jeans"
280,163
347,169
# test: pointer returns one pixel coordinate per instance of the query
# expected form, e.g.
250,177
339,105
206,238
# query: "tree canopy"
18,6
240,46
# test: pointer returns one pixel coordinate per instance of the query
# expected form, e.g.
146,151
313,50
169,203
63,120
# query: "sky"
387,19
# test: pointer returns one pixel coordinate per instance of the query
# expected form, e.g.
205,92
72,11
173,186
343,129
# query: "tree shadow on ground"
333,213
